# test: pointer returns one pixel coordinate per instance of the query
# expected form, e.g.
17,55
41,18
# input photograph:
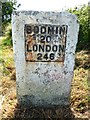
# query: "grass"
79,93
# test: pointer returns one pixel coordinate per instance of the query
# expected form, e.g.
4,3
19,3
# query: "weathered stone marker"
44,47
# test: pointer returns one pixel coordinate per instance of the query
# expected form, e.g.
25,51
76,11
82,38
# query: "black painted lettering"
28,48
61,48
48,48
39,56
29,29
45,41
54,48
42,39
48,39
56,30
52,56
45,56
36,29
43,29
41,48
35,48
51,30
63,30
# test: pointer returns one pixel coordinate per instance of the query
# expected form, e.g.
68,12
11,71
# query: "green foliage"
7,9
83,18
7,40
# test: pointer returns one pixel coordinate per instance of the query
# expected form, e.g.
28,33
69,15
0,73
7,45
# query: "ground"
9,108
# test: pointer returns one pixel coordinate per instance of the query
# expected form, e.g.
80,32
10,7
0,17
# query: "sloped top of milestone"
50,13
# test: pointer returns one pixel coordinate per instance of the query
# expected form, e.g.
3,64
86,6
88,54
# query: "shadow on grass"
63,113
82,61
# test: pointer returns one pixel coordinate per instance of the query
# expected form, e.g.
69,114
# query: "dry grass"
79,93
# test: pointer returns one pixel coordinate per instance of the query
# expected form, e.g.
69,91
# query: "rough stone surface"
48,83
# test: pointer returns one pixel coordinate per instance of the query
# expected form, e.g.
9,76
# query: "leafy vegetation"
84,32
7,39
7,9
